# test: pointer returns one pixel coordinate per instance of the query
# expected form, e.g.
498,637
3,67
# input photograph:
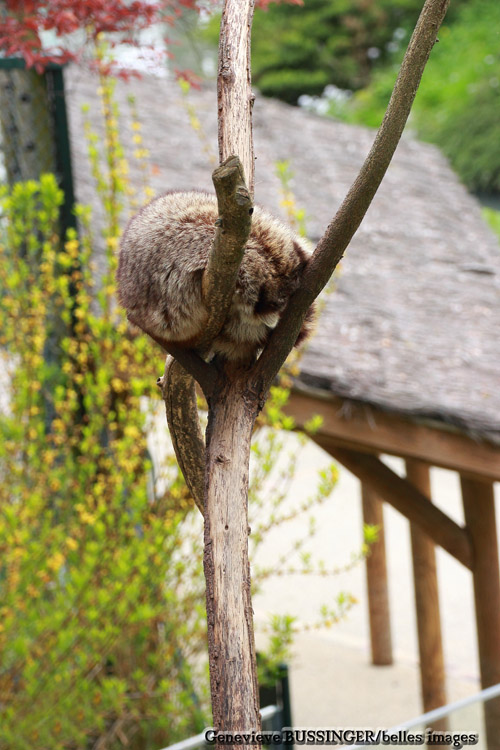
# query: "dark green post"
35,134
55,86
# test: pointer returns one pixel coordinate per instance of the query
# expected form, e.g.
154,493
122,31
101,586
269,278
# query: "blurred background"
102,629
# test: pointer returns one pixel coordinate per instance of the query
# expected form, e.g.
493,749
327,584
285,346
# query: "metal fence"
461,718
463,715
274,716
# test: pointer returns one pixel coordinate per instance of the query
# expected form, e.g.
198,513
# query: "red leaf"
189,76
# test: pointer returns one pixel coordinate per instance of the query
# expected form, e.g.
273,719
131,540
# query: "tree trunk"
233,676
233,406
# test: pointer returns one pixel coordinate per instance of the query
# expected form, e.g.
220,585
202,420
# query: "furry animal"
163,253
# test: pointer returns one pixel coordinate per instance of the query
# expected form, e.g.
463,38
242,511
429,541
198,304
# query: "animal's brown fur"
164,251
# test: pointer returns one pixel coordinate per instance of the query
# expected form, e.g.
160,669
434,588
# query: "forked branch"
235,209
338,235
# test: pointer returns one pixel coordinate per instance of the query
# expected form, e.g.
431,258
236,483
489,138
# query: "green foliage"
493,219
457,106
288,84
100,587
300,49
370,534
102,622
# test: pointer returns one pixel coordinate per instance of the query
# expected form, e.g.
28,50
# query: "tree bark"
235,397
234,86
233,679
233,227
179,394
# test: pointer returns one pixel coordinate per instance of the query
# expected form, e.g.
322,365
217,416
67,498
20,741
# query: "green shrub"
457,106
101,586
285,84
300,49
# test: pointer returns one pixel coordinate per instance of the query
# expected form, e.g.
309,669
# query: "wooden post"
405,498
432,673
376,577
479,508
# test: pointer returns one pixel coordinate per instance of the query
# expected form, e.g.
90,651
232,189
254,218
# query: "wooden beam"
404,497
368,429
376,579
479,508
430,646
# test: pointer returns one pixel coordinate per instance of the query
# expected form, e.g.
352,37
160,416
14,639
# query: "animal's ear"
301,254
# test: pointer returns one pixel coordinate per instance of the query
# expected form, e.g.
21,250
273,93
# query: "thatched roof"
414,324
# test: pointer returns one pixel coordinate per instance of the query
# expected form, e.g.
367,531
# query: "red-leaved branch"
22,22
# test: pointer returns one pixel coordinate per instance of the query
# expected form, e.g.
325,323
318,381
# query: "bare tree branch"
231,416
218,284
219,280
234,222
234,92
231,645
178,392
233,228
203,372
235,101
331,247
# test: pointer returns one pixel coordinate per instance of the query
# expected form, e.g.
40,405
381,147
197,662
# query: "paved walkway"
332,681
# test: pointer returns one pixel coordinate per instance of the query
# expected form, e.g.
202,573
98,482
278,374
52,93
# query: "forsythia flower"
56,561
112,243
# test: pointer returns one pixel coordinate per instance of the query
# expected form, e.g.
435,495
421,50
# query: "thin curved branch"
203,372
338,235
234,91
178,392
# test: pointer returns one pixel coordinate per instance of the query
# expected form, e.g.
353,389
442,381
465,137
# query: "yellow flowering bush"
101,595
